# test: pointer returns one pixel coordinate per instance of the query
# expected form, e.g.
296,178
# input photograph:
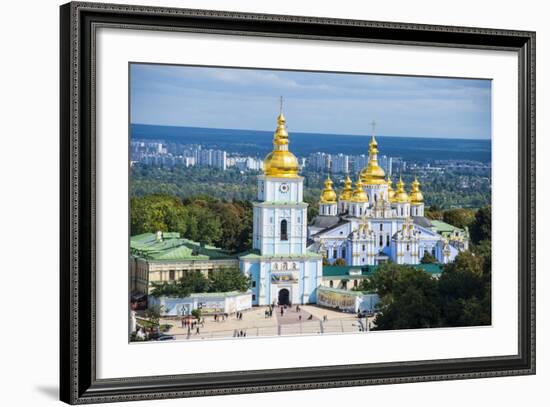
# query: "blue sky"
313,102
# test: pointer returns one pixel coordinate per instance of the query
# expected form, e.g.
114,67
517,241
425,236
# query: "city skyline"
314,102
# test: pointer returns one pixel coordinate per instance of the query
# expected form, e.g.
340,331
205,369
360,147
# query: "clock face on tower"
284,188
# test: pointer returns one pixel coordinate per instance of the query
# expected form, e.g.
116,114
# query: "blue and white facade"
376,224
368,225
281,269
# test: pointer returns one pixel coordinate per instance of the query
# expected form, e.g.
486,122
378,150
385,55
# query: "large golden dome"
328,195
401,195
359,194
416,194
347,192
373,173
281,163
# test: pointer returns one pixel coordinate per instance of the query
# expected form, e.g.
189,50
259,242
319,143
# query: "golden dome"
416,194
391,192
400,195
373,173
281,163
359,194
347,192
328,195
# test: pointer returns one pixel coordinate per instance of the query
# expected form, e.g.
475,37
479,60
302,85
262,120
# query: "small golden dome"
400,195
373,173
391,192
347,192
281,163
359,194
328,195
416,194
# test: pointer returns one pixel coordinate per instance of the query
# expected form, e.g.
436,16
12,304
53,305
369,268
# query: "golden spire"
281,163
416,194
359,194
347,192
400,195
391,192
328,195
373,173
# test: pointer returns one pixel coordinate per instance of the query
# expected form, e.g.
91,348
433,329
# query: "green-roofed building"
166,257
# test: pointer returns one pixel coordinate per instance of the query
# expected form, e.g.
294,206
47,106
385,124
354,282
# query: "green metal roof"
255,255
172,247
367,271
442,227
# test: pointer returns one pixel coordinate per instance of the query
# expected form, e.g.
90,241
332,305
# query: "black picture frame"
78,382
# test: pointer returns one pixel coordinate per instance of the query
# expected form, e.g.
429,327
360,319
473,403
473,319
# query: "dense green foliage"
449,190
461,296
411,298
428,258
195,282
481,227
459,217
224,224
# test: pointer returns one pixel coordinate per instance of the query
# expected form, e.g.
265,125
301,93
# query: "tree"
157,212
408,298
228,280
428,258
202,219
459,217
434,213
153,313
339,262
481,226
465,292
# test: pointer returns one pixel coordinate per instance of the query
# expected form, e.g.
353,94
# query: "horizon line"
306,132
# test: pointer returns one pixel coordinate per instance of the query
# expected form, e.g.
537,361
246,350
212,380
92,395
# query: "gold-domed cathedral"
281,269
373,223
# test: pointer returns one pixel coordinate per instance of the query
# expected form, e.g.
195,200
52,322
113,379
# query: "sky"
314,102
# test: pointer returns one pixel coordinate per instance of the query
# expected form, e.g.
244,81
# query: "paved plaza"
307,320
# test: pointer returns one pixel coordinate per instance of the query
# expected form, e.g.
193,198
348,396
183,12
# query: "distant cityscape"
159,154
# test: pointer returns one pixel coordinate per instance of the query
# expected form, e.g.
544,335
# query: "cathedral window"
381,227
408,247
331,283
335,254
284,230
381,241
172,275
343,252
363,247
387,240
355,283
253,284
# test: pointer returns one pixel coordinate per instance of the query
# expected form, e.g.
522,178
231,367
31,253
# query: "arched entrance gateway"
284,297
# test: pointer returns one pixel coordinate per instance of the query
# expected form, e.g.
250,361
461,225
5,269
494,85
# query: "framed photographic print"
256,203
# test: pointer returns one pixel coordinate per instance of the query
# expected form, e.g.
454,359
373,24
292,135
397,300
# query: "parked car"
159,336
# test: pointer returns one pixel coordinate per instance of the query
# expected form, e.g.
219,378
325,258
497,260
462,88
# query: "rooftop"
169,246
442,227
